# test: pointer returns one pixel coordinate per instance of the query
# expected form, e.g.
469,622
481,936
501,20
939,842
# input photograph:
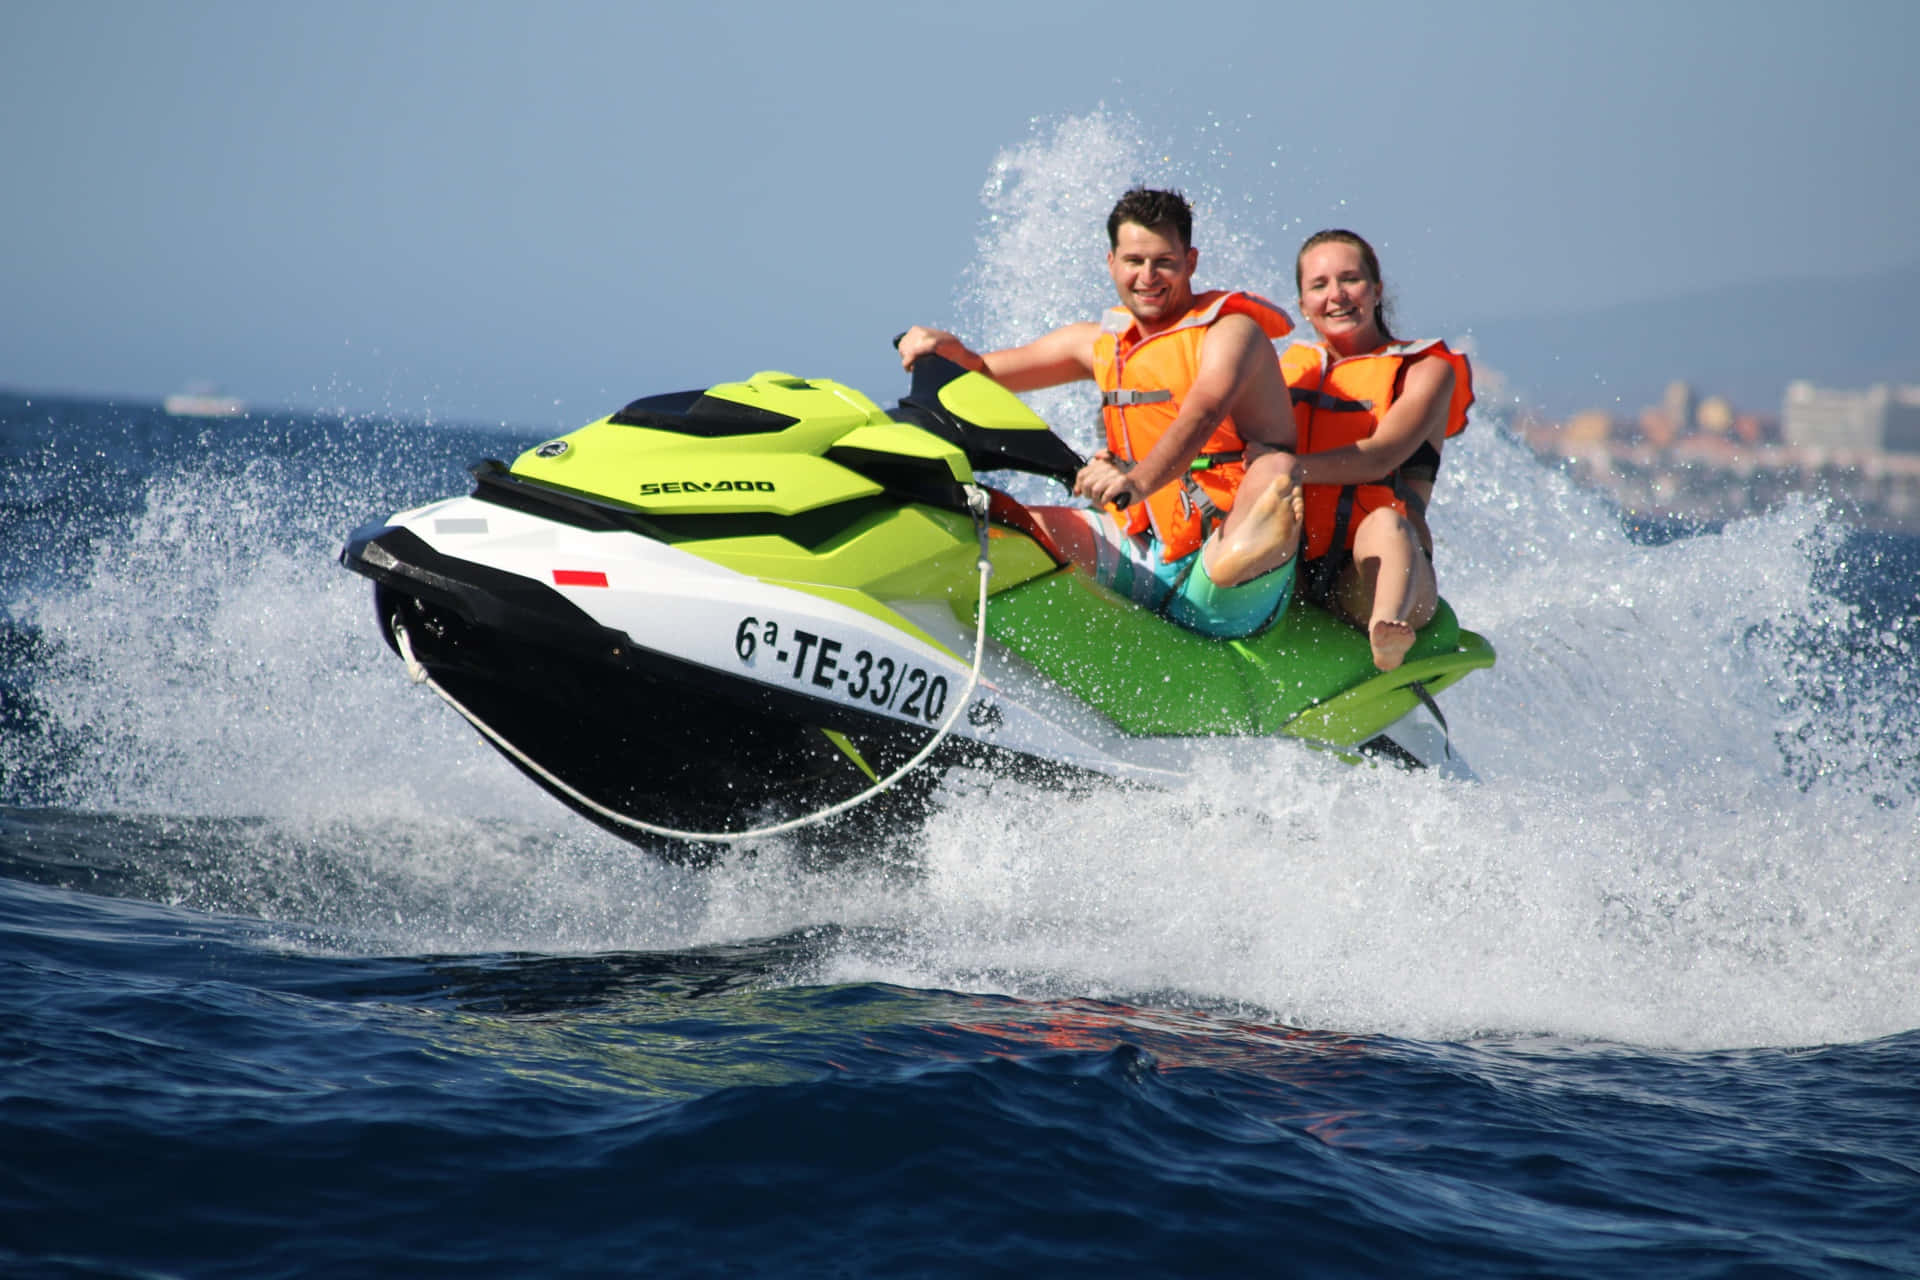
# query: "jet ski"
731,611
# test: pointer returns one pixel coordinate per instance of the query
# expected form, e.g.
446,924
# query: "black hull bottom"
625,737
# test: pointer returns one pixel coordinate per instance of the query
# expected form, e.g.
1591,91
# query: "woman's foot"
1391,638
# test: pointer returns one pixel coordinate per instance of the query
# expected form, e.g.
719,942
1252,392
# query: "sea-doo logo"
706,486
551,449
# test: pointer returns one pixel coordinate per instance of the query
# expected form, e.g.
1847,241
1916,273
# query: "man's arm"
1065,355
1420,413
1228,363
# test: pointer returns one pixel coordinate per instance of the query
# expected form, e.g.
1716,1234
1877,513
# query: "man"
1191,525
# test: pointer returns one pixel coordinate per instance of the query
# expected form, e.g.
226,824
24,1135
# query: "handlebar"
933,371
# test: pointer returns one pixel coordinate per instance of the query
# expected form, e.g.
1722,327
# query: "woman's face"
1337,296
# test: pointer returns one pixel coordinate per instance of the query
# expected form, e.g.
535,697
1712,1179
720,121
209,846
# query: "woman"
1372,412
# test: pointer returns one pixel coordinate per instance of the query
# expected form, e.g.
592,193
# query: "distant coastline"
1704,481
1745,342
1704,407
1696,460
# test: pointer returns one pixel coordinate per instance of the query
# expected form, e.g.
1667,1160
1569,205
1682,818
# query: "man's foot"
1391,638
1264,537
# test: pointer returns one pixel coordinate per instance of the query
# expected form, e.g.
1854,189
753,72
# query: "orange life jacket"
1340,401
1143,381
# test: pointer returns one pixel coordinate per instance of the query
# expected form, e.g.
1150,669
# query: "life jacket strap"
1319,399
1343,513
1401,489
1211,516
1343,516
1124,398
1416,505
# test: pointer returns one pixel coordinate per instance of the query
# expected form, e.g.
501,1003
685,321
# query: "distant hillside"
1744,342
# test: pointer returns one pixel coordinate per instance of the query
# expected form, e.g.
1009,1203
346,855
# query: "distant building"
1680,404
1591,427
1879,419
1751,428
1714,415
1658,426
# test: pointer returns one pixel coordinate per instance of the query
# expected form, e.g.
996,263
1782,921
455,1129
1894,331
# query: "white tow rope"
977,504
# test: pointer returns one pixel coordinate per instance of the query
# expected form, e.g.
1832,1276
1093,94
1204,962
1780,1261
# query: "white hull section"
793,641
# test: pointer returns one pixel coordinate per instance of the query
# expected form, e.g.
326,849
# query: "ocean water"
297,977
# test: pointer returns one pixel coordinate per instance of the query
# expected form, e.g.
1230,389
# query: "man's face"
1153,273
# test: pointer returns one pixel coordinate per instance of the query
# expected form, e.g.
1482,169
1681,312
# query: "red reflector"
579,578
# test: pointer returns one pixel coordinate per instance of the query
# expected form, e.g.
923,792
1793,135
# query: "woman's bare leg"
1391,586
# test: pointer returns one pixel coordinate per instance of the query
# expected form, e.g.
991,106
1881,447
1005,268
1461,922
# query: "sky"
533,213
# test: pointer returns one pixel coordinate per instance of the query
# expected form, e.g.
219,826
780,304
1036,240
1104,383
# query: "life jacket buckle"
1125,398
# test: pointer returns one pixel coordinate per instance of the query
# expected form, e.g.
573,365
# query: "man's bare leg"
1262,532
1069,531
1394,588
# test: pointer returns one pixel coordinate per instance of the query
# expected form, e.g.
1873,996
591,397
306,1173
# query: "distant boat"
203,400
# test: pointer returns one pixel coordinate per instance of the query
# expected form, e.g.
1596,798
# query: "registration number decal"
807,657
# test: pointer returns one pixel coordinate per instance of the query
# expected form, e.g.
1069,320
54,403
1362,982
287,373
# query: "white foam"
1694,826
1669,843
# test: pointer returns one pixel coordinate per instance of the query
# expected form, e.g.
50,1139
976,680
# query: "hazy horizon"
496,212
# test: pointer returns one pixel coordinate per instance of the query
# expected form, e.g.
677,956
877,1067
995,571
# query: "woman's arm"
1420,413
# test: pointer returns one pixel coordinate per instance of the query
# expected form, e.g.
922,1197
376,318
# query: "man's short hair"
1161,211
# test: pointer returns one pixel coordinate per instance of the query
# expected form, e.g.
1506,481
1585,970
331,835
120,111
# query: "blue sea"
297,977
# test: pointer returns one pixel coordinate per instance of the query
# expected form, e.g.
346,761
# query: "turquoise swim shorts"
1181,590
